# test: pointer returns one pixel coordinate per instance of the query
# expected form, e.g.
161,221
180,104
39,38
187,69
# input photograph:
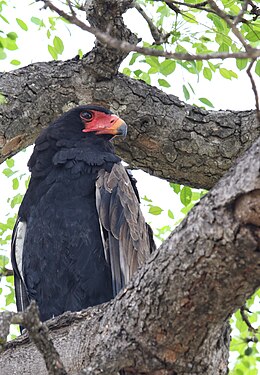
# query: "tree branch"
38,333
167,137
189,285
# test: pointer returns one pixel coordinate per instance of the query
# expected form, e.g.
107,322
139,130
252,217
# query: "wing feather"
129,241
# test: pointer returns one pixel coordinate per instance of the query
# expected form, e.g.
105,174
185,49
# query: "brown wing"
127,238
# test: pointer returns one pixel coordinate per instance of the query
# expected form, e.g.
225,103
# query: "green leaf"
133,58
4,19
15,183
37,21
199,65
48,34
2,54
192,89
186,92
22,24
167,67
212,66
155,210
207,73
145,198
12,35
170,214
206,102
10,162
8,172
4,260
3,99
228,74
163,83
185,196
217,22
189,17
257,68
153,61
127,72
52,52
15,62
223,48
52,21
225,73
9,298
145,77
138,72
253,36
153,70
58,45
241,63
10,44
176,187
17,199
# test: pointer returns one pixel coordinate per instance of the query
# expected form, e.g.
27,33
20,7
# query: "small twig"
38,333
5,272
254,89
128,47
157,35
244,316
239,17
255,10
71,8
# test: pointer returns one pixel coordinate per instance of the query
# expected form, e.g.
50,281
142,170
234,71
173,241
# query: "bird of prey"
80,234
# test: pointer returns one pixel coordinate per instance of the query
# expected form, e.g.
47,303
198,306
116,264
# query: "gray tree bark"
167,137
172,318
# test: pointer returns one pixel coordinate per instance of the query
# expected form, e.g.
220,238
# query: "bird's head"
93,119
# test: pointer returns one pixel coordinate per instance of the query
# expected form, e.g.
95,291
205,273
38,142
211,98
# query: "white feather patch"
20,236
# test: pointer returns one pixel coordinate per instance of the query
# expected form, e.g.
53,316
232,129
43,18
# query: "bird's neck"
93,152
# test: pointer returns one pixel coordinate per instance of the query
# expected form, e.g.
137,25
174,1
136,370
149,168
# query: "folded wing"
127,238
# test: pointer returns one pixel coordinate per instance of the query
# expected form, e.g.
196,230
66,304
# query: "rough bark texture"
167,137
156,325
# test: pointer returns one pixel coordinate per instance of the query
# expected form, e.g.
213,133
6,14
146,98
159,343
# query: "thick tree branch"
193,283
167,137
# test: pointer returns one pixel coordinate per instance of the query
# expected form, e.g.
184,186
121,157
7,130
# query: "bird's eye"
86,116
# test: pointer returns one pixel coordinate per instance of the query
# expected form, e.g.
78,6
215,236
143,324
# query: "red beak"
108,124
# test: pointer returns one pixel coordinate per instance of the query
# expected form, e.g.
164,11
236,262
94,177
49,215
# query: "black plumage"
80,234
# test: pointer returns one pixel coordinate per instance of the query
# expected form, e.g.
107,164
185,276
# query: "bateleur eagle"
80,234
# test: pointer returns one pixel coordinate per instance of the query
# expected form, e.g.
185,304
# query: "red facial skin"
102,123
